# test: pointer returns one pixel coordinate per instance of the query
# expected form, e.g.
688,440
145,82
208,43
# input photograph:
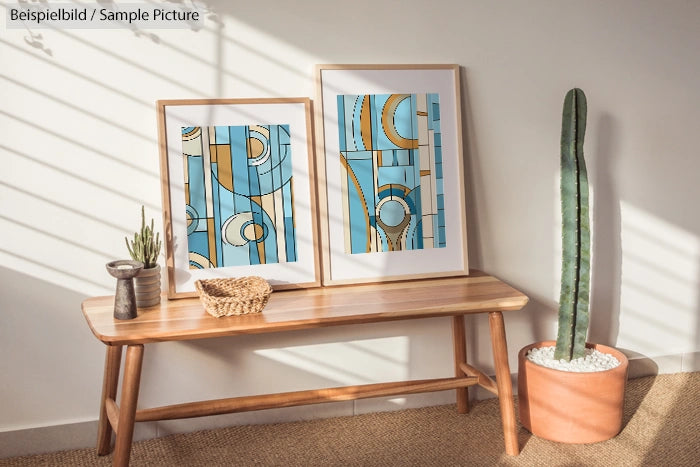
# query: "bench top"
186,319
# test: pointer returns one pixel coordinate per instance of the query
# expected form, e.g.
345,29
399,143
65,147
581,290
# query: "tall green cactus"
576,234
145,247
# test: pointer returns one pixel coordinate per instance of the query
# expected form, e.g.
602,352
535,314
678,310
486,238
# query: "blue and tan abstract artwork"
238,195
391,172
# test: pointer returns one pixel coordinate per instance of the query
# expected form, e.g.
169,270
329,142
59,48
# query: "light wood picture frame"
239,191
391,172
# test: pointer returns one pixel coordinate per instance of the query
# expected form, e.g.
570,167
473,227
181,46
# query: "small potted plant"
145,247
572,391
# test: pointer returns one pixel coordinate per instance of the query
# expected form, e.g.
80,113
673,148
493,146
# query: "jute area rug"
661,428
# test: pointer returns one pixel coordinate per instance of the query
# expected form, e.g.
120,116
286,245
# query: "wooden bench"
186,319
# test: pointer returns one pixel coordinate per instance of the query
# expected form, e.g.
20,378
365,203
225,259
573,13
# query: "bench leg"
127,409
113,361
460,350
505,390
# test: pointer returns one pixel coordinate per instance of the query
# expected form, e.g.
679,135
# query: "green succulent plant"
576,234
145,246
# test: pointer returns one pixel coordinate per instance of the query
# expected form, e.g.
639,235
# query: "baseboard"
83,434
60,438
641,365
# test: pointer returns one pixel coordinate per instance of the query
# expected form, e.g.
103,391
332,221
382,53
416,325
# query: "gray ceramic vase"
124,297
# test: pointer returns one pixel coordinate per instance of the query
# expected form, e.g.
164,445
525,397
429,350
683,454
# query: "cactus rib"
576,243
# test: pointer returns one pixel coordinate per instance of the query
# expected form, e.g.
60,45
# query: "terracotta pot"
147,287
571,407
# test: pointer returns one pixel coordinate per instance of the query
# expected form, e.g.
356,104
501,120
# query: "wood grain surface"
186,319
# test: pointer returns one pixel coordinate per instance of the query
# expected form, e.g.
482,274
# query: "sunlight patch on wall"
349,363
81,151
660,283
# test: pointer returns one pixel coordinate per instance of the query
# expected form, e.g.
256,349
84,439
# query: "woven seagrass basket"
227,297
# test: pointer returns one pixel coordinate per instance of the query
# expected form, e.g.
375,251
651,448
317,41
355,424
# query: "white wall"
79,156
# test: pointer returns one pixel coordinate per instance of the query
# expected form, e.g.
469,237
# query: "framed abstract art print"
238,191
390,169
